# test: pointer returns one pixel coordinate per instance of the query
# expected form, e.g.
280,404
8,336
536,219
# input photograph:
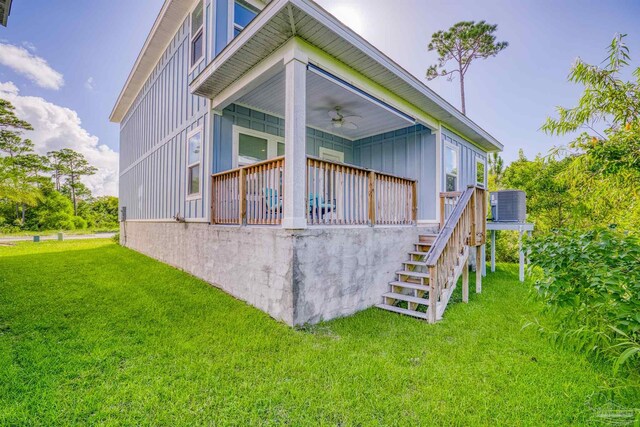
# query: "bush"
8,229
591,280
79,223
506,246
116,238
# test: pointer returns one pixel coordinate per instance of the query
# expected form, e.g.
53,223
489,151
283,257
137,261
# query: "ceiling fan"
340,121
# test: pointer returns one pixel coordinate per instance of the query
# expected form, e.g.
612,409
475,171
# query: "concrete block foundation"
296,276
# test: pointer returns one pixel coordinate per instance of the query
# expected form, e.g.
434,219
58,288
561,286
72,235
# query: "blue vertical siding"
221,25
256,120
408,152
468,155
153,136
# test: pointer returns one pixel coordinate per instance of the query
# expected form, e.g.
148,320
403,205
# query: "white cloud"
31,66
29,46
89,84
57,127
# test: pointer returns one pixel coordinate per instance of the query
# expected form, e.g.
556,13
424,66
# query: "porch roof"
282,20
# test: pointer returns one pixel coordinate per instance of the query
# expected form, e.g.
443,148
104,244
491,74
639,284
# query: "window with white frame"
197,33
451,167
242,15
331,155
252,146
480,172
194,159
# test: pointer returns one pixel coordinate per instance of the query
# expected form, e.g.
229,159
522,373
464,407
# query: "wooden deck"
337,194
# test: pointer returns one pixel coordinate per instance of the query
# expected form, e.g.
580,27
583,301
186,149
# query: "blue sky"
92,45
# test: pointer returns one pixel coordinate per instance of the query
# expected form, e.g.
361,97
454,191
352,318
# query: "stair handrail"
447,230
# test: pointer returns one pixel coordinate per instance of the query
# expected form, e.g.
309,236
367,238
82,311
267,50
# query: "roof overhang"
5,10
171,16
283,20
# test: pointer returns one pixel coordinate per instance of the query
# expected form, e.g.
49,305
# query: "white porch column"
295,142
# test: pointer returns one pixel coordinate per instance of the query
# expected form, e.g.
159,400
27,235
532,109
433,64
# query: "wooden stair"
409,294
444,256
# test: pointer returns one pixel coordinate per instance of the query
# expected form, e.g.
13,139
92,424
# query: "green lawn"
54,232
92,333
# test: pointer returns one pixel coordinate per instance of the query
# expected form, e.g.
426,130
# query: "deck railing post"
414,200
213,201
478,269
242,194
433,295
442,209
372,198
474,210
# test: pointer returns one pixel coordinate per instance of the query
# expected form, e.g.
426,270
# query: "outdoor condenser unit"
509,206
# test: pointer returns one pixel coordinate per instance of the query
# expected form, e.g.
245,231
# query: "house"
271,151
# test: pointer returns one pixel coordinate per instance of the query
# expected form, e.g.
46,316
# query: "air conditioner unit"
508,206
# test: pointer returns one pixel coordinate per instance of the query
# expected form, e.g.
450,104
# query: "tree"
73,166
462,43
19,166
100,212
496,169
550,202
56,165
607,114
8,119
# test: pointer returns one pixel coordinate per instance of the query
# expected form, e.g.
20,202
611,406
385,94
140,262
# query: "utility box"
508,206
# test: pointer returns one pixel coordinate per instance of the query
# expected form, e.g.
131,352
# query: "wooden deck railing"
448,201
250,194
465,226
337,194
225,197
396,199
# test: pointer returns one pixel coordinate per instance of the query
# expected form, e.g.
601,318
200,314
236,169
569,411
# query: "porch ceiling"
323,96
283,19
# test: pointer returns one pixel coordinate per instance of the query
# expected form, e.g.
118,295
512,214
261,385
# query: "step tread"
400,310
409,298
413,274
418,253
410,285
418,263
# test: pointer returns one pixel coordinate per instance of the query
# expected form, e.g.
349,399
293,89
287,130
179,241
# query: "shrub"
591,280
79,223
116,238
506,246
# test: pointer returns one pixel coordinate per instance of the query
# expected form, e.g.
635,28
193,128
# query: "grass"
54,232
93,333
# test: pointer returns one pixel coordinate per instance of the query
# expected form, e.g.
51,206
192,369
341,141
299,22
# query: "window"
242,15
451,161
480,172
197,34
194,155
331,155
252,146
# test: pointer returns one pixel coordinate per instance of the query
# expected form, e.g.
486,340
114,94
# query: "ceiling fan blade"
333,114
352,118
349,125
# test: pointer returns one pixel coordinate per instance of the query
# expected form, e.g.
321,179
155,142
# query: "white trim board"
187,166
272,142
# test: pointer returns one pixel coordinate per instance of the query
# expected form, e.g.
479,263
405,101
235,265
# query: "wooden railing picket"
457,234
337,194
